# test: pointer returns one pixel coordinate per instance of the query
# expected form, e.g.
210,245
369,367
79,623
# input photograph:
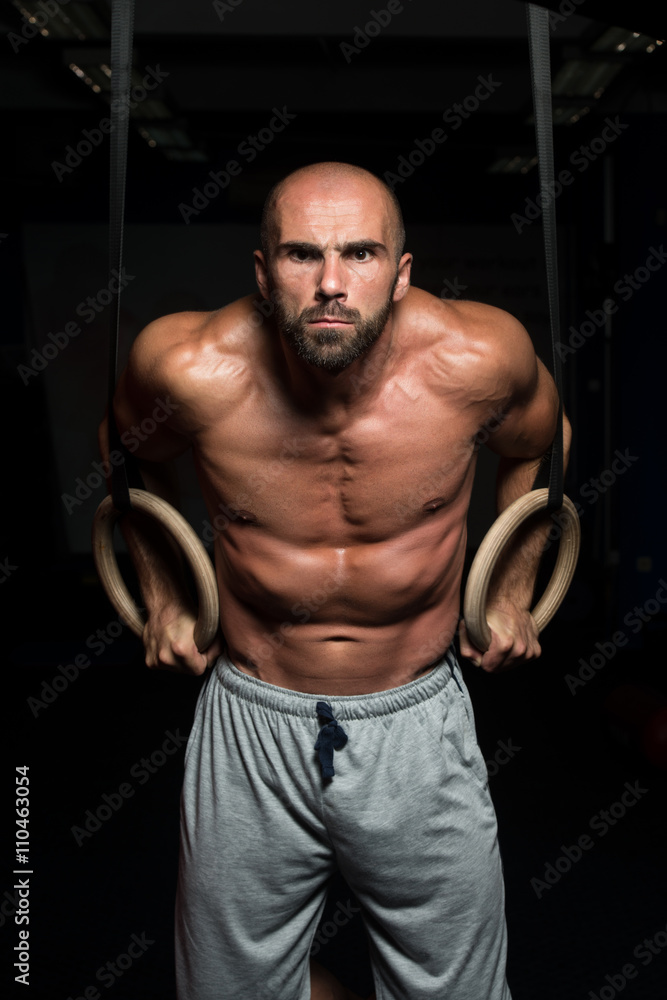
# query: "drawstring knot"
332,737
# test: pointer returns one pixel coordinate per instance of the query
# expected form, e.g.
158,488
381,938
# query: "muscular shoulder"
177,348
184,355
479,349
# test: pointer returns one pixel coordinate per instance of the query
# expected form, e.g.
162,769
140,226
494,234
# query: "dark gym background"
562,737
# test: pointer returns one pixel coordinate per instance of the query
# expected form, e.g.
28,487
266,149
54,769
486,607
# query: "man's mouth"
329,321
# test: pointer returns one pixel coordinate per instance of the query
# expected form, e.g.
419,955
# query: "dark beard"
331,349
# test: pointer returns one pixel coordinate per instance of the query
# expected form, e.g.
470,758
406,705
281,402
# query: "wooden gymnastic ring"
484,563
107,567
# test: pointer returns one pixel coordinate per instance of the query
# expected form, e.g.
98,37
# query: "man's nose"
332,280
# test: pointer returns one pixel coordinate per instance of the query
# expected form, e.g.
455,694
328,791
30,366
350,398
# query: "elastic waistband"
361,706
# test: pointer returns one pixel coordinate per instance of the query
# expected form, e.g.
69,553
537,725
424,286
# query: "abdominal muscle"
343,621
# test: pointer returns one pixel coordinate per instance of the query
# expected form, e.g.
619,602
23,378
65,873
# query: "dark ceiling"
227,65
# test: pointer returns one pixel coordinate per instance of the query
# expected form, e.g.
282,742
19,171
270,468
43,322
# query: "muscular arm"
522,440
147,416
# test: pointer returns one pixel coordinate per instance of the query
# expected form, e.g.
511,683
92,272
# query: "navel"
247,516
433,505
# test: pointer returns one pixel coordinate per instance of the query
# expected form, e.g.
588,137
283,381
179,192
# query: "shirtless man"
335,420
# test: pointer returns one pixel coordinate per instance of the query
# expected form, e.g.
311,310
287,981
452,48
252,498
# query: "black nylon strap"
122,13
538,35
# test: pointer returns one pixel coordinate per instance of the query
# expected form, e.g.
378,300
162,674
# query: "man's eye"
361,254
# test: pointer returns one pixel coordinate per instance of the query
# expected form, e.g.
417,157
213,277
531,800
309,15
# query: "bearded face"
336,347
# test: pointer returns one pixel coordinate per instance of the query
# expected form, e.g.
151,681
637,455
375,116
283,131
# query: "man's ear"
403,279
261,273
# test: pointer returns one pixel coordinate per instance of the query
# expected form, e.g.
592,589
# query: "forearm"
155,556
516,572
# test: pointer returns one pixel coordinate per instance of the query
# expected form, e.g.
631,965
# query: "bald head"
328,179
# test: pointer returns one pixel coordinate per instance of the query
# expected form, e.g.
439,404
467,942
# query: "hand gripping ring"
484,563
194,551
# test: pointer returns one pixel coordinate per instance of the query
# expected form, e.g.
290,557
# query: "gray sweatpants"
407,819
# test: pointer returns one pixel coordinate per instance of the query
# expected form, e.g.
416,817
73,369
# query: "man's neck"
326,391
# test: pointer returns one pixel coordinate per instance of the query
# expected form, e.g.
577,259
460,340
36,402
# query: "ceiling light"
583,77
622,40
78,20
517,164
